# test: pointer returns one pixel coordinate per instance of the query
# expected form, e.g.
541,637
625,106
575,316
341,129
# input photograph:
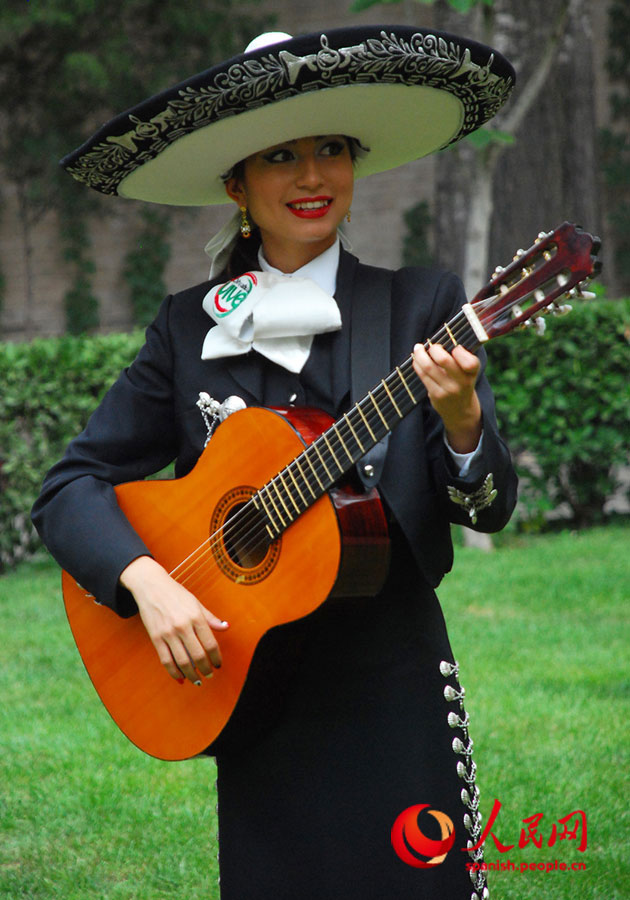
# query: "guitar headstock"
557,265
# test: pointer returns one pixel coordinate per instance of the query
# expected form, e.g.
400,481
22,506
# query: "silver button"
292,399
368,471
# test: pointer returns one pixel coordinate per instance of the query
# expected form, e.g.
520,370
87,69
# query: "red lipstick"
310,207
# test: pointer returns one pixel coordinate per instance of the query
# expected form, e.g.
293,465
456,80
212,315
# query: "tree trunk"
480,210
550,174
485,211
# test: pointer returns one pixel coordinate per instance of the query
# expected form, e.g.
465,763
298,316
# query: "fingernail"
197,683
225,624
209,675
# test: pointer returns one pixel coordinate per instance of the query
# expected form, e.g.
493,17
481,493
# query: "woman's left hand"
450,382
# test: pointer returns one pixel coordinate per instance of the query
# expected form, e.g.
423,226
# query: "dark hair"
244,255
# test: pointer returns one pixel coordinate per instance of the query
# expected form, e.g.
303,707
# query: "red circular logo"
230,295
414,847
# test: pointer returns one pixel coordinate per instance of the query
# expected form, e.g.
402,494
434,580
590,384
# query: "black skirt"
343,725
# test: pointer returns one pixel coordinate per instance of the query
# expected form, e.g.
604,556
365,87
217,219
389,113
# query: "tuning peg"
518,254
580,292
562,278
563,310
538,325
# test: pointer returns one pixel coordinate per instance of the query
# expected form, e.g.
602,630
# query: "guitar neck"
293,490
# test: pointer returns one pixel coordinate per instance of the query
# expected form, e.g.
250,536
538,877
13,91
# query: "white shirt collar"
322,270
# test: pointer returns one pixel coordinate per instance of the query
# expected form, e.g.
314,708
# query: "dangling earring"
246,228
348,217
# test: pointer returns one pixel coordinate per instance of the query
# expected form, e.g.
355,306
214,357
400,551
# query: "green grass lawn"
541,630
84,815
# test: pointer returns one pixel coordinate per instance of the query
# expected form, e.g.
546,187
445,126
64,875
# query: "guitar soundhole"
239,540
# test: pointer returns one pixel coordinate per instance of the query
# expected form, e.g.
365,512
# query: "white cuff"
464,460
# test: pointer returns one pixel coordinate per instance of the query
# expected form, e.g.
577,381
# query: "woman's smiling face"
297,192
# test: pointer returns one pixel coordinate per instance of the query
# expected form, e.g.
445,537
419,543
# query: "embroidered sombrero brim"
401,92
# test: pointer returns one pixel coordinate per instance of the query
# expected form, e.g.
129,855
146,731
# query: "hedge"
563,403
49,389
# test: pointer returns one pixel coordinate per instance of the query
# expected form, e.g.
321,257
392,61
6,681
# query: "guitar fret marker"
273,502
312,468
391,397
367,424
271,524
281,498
377,408
321,459
297,487
354,434
343,444
450,334
304,478
402,378
332,452
288,490
270,511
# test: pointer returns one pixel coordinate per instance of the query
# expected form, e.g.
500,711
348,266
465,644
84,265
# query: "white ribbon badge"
276,315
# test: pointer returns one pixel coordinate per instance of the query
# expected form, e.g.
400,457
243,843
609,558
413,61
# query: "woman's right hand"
179,626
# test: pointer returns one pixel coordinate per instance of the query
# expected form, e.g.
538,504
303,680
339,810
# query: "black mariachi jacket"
149,417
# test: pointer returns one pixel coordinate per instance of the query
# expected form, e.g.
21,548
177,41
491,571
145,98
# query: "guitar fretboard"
280,501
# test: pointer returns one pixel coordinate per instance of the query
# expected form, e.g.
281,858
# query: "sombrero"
402,92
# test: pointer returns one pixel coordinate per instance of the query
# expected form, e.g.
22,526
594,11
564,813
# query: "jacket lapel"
247,371
340,356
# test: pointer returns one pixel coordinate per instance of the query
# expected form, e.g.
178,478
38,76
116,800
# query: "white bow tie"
276,315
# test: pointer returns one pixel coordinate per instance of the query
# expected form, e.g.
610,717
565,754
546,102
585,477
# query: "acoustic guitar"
263,538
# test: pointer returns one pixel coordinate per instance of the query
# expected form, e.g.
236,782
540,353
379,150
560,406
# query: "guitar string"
234,531
243,523
449,332
258,535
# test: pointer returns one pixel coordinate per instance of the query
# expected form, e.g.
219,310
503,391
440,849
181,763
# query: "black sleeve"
132,434
494,459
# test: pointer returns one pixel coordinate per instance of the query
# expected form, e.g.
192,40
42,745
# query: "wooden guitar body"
262,530
281,580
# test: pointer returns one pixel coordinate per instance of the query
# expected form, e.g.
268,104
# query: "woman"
352,714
